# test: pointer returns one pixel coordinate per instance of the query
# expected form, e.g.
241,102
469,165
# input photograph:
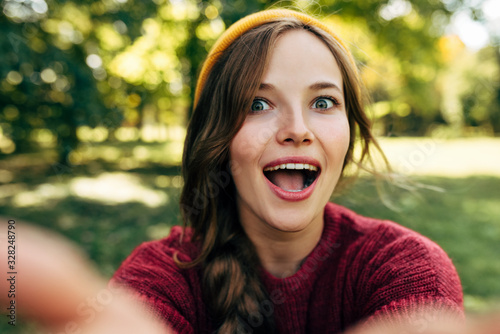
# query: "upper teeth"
291,166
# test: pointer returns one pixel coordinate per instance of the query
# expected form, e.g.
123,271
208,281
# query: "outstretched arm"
57,287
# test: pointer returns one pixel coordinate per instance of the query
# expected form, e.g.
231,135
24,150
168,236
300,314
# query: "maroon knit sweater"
361,268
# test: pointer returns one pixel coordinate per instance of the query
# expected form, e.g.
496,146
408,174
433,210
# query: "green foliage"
44,87
113,64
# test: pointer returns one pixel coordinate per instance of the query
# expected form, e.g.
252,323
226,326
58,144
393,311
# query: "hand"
432,322
57,287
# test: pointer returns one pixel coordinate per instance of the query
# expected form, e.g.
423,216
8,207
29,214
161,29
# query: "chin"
295,222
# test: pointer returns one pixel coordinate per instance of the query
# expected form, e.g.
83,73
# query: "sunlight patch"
114,188
40,195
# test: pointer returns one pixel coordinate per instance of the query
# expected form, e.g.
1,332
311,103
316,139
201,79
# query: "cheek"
343,136
248,144
334,138
334,135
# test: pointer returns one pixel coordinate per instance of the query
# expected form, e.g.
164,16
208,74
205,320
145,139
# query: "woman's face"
288,156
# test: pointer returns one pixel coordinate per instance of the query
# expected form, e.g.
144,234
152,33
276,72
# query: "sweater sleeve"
407,280
153,275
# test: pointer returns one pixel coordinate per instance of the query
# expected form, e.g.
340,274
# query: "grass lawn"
463,215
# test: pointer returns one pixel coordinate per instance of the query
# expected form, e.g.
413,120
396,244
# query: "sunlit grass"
442,157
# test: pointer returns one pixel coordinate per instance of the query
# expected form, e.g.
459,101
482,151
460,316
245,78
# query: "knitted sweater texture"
361,269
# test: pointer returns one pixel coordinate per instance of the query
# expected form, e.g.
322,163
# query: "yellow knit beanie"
245,24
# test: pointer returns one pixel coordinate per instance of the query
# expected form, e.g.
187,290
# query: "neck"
282,253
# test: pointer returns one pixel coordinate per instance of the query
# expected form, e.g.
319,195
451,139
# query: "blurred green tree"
128,68
46,92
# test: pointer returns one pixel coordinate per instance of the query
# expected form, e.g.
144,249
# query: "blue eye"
259,105
324,103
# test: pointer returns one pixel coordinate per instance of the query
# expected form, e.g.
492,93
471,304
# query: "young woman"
277,113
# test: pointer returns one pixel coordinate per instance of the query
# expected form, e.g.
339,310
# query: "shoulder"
151,269
173,293
178,241
390,264
154,260
379,237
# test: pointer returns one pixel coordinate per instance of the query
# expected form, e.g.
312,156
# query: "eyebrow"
315,86
323,85
266,86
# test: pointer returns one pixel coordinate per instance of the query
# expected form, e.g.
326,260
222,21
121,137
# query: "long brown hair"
233,291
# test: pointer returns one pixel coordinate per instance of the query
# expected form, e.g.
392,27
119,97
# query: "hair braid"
233,290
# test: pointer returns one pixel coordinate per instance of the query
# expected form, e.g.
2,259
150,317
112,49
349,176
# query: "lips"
292,178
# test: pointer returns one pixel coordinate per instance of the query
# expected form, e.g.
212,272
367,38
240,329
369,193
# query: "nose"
294,128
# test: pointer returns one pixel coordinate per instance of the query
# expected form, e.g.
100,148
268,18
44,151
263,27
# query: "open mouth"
292,177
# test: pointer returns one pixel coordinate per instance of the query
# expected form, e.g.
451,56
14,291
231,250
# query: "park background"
95,98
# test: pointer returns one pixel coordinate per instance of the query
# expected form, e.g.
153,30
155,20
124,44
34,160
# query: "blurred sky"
474,34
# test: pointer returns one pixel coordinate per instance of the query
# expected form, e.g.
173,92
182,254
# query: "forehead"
299,55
